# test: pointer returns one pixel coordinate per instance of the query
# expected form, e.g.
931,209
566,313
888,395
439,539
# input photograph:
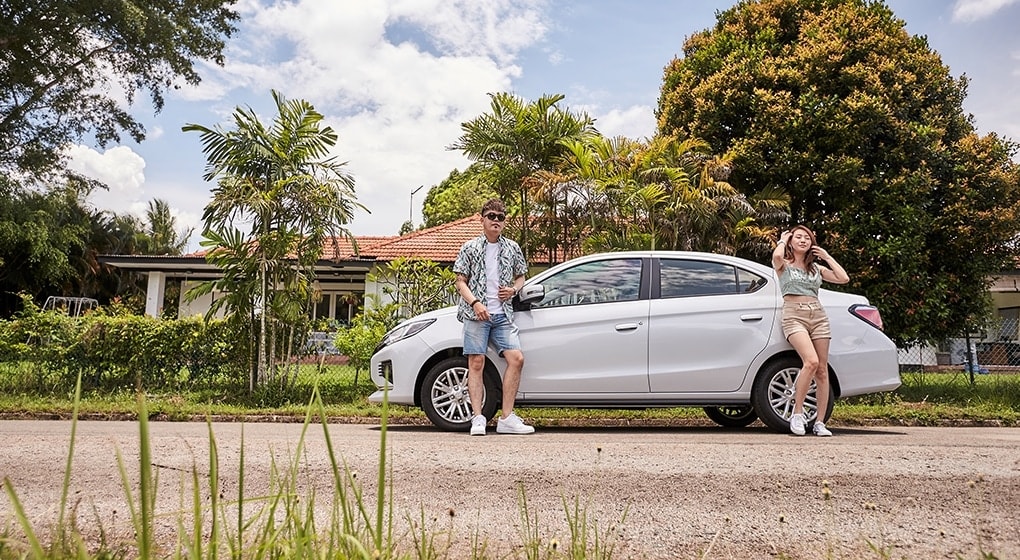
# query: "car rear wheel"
773,395
444,394
734,416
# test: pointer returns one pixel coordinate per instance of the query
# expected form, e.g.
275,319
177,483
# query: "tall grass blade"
70,456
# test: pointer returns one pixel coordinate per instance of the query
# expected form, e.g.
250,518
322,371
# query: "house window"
1008,317
322,307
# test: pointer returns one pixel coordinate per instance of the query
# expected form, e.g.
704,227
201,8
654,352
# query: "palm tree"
516,141
163,237
281,182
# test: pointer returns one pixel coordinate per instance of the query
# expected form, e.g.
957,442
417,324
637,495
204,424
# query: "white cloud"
636,122
394,79
973,10
120,168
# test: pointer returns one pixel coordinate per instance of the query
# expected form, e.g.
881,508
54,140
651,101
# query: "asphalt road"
681,492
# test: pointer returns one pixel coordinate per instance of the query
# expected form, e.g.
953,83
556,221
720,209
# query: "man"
490,271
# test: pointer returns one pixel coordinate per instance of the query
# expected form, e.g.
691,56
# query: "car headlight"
402,331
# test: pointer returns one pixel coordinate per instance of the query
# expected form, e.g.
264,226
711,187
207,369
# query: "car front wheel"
773,395
734,416
444,394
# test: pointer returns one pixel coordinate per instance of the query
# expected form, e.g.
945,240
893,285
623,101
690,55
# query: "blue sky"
396,78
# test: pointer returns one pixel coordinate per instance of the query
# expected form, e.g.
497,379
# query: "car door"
708,322
589,334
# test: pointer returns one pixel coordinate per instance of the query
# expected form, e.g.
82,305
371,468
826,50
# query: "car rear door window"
686,278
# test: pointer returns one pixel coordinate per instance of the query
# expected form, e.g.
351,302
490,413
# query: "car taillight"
867,313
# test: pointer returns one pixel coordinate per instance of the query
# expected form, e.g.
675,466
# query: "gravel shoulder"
655,492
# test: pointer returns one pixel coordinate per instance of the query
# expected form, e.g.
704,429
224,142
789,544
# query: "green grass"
939,398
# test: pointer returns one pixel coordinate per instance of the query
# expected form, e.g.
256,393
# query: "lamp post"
410,209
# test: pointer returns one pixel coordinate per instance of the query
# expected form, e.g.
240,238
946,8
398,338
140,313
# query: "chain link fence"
992,350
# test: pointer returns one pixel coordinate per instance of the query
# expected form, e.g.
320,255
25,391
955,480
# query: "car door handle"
746,318
627,326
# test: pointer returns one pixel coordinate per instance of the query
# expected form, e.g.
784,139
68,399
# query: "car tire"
444,394
733,416
772,396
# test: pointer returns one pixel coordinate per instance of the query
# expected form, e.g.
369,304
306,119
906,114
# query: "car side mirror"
527,296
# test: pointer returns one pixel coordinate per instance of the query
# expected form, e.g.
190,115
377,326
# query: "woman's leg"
805,348
821,346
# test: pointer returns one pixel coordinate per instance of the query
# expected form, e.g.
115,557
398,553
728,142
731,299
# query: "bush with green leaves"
122,351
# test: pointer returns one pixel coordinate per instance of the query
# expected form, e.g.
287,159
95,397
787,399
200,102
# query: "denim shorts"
498,329
808,317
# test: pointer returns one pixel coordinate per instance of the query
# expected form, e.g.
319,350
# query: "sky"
396,78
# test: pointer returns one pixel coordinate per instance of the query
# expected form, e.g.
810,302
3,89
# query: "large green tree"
294,197
460,195
65,63
51,240
862,124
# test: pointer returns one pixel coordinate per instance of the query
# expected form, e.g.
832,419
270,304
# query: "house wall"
200,305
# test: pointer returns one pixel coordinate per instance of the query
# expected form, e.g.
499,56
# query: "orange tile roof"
439,244
345,250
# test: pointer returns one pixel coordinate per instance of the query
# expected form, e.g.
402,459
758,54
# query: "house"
341,274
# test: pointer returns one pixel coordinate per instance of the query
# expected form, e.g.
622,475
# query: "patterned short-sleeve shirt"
471,263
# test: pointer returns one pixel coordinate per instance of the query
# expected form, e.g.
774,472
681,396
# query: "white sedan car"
639,330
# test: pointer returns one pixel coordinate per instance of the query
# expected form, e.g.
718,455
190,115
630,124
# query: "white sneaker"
513,425
478,425
797,424
821,430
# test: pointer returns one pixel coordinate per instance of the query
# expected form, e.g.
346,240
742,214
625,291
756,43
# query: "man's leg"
511,379
476,386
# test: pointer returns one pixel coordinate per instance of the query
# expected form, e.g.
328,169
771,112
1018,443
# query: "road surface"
680,492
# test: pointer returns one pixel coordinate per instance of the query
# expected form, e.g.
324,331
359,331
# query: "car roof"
696,255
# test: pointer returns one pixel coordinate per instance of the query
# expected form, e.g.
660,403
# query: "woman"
805,324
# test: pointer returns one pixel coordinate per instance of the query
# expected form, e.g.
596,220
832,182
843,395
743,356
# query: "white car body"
597,339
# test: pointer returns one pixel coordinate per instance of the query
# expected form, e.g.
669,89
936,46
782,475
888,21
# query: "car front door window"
596,282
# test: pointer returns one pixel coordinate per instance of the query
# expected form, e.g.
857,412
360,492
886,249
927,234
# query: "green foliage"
458,196
67,62
514,143
39,234
122,352
162,236
358,341
416,285
577,191
862,124
51,241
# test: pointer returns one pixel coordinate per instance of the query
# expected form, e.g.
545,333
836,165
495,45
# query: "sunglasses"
496,217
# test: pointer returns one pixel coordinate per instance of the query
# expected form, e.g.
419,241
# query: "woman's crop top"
794,281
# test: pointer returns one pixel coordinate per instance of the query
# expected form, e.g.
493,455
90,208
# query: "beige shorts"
808,317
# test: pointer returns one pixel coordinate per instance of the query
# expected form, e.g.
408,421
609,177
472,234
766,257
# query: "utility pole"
410,210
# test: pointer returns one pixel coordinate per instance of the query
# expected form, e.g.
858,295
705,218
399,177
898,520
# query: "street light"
410,210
